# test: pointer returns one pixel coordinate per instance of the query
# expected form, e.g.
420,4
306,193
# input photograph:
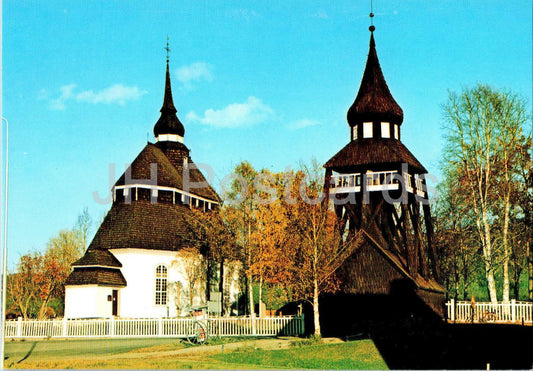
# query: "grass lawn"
172,354
353,355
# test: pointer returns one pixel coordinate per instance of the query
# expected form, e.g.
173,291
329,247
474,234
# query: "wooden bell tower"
380,197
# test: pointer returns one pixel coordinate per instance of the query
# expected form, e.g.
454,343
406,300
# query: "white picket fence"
153,327
485,312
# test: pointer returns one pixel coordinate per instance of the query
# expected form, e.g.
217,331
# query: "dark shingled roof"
96,276
167,174
168,123
374,100
371,268
371,151
98,257
142,225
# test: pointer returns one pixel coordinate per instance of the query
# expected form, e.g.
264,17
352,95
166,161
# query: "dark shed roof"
98,257
96,276
371,269
371,151
374,100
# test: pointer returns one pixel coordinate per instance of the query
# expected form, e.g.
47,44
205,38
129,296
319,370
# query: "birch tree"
318,242
239,216
483,136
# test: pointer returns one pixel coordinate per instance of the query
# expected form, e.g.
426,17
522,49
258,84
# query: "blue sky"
265,81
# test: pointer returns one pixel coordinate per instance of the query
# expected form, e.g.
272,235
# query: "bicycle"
197,332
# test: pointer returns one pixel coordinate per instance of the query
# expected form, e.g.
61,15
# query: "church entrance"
115,303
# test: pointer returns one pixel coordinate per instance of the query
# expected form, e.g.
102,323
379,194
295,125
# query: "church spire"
374,102
168,127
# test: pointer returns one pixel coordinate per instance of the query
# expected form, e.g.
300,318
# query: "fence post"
64,332
19,327
513,310
254,331
111,326
160,326
452,310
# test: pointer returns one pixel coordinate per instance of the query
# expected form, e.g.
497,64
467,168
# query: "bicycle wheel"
197,333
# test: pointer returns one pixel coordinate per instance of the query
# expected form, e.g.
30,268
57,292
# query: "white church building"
140,262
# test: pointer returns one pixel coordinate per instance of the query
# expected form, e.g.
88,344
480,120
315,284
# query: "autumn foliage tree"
40,276
209,234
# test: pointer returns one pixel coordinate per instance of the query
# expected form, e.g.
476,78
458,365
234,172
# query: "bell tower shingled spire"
374,102
168,127
380,197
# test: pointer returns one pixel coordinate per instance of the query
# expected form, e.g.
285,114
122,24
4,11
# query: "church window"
385,130
367,129
161,285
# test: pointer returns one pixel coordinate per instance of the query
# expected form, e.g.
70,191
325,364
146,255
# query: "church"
140,262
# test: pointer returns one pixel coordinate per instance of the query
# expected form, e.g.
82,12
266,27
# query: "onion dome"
168,124
374,101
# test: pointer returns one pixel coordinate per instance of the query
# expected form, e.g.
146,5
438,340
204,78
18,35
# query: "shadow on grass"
410,336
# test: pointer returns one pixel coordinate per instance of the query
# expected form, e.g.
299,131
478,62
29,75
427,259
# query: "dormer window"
367,129
385,130
354,132
396,132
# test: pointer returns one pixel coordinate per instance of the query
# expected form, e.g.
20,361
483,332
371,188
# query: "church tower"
380,198
135,264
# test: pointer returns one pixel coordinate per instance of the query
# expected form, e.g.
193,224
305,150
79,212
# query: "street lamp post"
4,247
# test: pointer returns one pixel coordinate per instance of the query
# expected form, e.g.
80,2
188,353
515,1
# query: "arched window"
161,285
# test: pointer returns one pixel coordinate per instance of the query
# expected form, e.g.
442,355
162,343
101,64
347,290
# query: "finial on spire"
371,28
168,125
167,49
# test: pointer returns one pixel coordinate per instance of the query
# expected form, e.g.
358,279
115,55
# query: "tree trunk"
260,292
487,255
516,286
252,309
316,314
530,270
506,250
221,286
209,273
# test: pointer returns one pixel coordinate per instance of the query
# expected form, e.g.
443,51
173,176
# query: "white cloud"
303,123
249,113
194,72
117,93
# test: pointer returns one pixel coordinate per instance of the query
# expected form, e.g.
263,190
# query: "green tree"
484,142
240,216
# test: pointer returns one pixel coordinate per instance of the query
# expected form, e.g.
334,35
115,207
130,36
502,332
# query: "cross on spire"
371,28
167,49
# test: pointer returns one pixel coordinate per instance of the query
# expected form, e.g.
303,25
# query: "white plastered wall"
137,299
88,301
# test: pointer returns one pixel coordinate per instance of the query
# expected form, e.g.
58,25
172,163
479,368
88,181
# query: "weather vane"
167,48
371,28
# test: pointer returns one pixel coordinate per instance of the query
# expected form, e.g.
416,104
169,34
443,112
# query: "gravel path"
201,350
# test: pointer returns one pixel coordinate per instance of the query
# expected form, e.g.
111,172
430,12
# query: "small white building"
141,262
